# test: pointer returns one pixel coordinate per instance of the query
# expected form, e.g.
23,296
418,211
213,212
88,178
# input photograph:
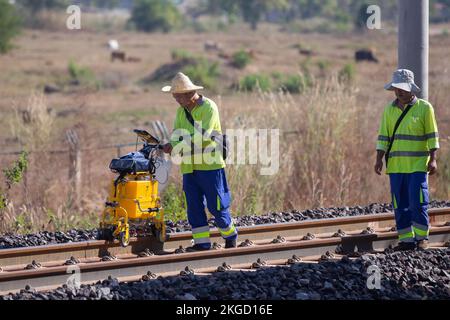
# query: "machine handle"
149,210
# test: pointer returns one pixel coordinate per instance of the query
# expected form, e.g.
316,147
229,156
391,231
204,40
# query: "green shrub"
255,81
180,54
241,59
10,23
323,65
347,73
15,174
199,27
83,76
153,15
3,200
203,72
23,224
173,202
293,84
276,75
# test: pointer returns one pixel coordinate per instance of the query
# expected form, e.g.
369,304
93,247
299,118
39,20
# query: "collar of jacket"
200,102
395,103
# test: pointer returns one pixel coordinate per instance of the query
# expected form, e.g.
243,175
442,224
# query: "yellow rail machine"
133,200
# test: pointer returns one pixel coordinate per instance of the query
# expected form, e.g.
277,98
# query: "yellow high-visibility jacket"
205,114
415,137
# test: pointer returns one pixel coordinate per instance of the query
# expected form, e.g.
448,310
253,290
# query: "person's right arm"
382,143
379,162
174,138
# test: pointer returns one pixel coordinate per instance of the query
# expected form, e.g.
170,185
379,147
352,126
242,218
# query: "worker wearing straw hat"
203,181
408,140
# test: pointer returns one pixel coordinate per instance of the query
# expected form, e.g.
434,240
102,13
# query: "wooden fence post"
74,167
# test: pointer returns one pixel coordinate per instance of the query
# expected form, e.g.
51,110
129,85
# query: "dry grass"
328,163
323,151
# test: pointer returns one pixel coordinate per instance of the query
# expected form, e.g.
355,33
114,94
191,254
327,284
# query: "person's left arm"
432,135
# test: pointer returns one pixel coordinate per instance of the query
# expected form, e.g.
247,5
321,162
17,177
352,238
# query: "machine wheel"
101,234
159,235
124,240
105,234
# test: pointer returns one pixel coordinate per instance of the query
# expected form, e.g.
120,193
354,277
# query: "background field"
328,132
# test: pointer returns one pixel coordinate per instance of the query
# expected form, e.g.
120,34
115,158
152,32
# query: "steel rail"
97,248
131,266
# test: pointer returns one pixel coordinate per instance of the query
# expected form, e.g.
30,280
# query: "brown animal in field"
306,52
134,59
212,46
50,88
120,55
365,55
224,55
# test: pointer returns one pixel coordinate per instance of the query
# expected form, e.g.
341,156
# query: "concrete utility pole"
413,40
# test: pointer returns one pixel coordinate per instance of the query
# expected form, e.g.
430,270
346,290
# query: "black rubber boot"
422,244
230,244
196,248
405,246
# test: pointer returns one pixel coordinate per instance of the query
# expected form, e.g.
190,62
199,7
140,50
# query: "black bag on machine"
131,163
221,140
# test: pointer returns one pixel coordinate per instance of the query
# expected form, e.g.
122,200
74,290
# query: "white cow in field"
113,45
115,52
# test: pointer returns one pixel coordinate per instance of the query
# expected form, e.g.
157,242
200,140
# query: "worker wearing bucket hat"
203,181
403,79
408,140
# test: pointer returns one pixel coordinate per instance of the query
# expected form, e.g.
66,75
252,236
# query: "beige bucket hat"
181,84
403,79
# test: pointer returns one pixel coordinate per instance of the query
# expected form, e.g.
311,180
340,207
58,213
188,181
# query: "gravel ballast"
403,275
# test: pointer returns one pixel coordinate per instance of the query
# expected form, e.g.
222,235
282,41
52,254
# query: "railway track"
47,267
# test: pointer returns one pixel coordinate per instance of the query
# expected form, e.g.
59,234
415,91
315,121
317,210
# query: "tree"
39,5
229,7
105,4
10,23
152,15
252,11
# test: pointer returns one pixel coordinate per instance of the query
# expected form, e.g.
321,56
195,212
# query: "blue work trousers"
410,199
208,189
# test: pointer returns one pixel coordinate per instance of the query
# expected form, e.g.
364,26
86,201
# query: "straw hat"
403,79
181,84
